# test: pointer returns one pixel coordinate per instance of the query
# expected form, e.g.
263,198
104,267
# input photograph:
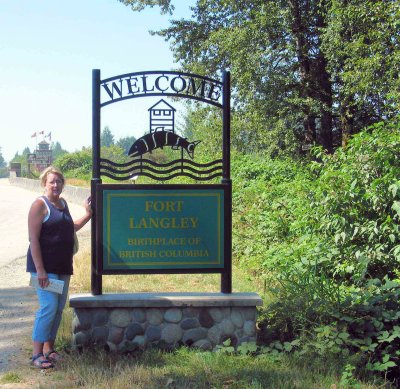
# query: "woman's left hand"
88,205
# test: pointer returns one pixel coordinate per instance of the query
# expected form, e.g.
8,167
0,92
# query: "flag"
41,132
48,136
33,135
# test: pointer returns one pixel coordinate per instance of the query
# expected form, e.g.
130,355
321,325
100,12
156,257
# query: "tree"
3,163
57,150
272,48
126,143
3,166
139,5
23,157
78,162
362,44
106,137
288,77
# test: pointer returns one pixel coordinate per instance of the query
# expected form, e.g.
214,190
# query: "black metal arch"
97,105
188,78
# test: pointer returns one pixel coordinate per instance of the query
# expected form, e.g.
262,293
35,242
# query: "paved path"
17,299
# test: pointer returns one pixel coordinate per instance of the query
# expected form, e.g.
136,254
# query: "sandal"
41,363
53,356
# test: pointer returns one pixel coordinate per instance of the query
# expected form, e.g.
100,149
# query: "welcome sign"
157,229
162,228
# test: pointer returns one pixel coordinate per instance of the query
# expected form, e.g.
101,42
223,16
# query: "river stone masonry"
129,322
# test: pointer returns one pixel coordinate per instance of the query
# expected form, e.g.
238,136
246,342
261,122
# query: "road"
17,300
14,206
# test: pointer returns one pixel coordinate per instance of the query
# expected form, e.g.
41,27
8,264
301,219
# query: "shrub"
79,161
324,235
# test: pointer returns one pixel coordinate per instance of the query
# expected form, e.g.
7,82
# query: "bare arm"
36,215
79,223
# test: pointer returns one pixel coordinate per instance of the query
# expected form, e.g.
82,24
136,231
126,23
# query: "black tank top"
56,241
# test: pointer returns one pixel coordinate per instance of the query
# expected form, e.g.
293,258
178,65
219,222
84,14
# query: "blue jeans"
48,316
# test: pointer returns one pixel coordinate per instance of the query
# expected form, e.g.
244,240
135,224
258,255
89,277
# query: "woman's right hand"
43,279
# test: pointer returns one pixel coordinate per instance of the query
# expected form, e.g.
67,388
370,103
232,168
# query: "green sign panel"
163,229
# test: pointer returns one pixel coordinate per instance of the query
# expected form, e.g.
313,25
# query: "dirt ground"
17,309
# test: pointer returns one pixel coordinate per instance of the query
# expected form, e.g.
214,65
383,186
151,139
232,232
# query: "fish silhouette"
159,139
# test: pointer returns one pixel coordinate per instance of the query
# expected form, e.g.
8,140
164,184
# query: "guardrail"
74,194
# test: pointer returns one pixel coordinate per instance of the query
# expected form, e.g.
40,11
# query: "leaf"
393,188
247,348
287,346
396,207
383,336
227,342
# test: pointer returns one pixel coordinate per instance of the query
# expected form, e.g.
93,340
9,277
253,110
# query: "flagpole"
35,136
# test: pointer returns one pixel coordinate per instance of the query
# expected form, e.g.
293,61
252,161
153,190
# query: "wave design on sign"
161,171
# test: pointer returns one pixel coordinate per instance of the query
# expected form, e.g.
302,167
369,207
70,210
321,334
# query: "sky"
48,49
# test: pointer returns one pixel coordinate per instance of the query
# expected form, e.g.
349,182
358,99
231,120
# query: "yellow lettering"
142,223
163,206
183,253
137,254
153,223
165,223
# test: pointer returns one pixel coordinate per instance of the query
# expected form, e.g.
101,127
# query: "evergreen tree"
2,161
57,150
106,137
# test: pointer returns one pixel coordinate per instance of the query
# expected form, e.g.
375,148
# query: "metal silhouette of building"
162,117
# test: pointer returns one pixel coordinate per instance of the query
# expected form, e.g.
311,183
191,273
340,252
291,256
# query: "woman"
51,236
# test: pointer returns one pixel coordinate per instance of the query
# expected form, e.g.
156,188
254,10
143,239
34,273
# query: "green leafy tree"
77,164
114,153
106,137
362,44
139,5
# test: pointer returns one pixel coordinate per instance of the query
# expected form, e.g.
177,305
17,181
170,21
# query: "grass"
187,368
182,369
78,182
11,378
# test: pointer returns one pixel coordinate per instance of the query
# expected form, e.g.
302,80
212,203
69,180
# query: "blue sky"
48,49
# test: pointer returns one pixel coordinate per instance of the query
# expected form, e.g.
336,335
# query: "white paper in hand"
56,286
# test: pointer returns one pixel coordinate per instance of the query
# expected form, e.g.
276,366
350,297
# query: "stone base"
128,322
